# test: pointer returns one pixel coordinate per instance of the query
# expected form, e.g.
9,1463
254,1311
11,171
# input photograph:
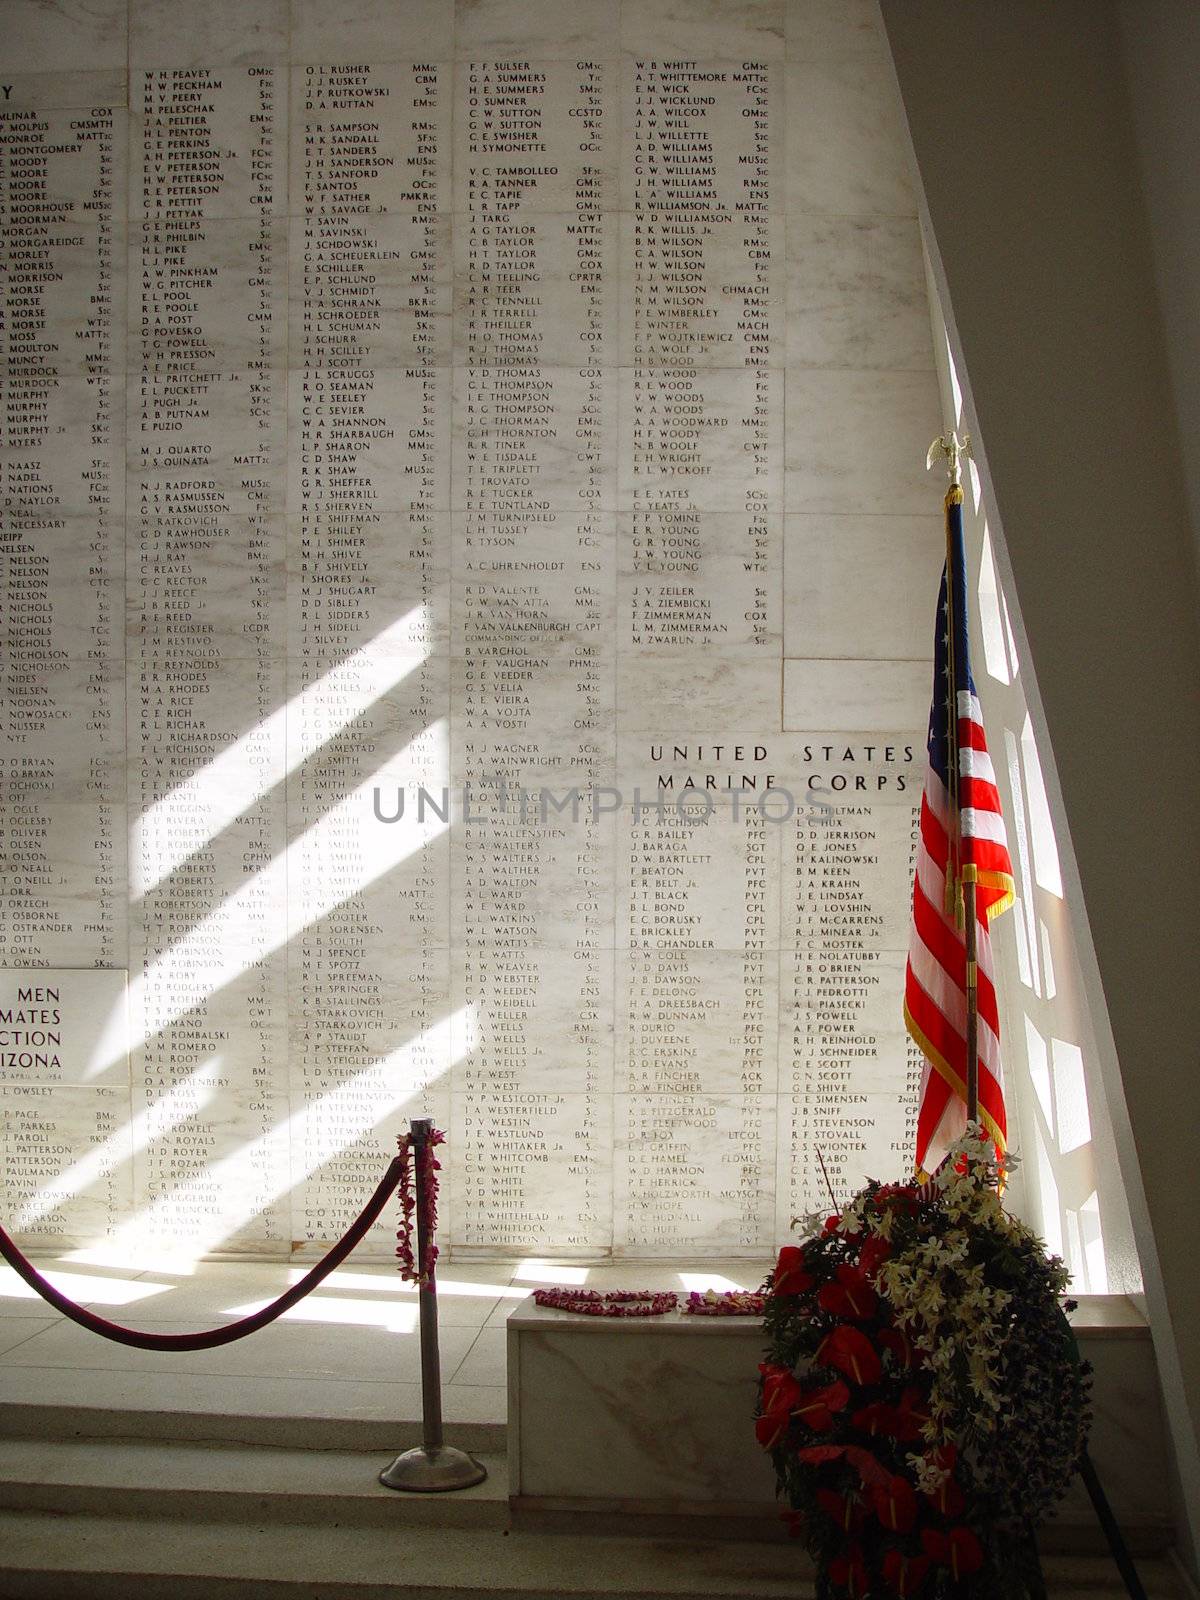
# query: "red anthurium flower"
896,1504
780,1393
897,1342
817,1406
948,1498
849,1572
850,1295
873,1254
958,1549
851,1352
966,1552
871,1473
770,1428
872,1419
844,1509
791,1274
831,1224
780,1389
905,1574
909,1417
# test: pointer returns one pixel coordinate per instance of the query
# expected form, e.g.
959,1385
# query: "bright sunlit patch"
1052,1222
289,1152
238,777
1046,866
955,386
318,1307
1048,983
1038,1061
82,1287
1073,1123
549,1272
1028,955
1009,637
976,484
1091,1237
382,848
497,1291
698,1282
991,620
367,1282
174,1106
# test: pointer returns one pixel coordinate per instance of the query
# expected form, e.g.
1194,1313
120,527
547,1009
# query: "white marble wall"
416,393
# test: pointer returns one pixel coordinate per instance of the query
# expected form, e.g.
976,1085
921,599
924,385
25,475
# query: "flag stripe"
970,844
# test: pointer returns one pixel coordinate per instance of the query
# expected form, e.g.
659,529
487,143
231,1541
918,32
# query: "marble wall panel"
815,31
504,29
876,696
63,1027
533,1171
704,29
523,441
69,36
857,440
62,728
371,30
63,876
886,567
474,398
719,457
692,1168
66,1177
857,293
230,32
654,687
697,1022
846,149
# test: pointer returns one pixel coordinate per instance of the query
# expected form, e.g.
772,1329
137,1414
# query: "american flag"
961,839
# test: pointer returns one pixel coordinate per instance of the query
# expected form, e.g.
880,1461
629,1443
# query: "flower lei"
614,1303
651,1302
405,1233
923,1400
727,1303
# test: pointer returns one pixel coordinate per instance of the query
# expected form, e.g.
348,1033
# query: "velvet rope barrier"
210,1338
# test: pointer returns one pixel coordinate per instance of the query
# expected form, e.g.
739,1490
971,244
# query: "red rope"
208,1338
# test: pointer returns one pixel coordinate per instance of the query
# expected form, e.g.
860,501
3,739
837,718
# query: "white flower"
928,1472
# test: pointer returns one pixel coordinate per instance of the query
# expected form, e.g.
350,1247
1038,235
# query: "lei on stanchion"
406,1188
923,1399
651,1302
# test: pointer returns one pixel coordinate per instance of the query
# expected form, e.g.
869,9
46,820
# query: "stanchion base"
423,1471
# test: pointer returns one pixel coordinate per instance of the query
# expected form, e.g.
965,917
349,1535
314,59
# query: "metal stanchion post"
433,1465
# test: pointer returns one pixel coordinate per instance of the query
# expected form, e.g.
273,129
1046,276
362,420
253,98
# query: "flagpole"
960,888
972,1005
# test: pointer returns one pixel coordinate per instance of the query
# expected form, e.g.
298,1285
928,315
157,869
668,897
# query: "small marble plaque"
63,1026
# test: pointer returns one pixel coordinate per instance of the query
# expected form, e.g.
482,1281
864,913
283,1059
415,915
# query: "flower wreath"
923,1399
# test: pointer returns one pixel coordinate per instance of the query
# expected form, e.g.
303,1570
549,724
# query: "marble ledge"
1104,1316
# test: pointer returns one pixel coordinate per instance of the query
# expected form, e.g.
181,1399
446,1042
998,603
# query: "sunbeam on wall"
198,1216
233,781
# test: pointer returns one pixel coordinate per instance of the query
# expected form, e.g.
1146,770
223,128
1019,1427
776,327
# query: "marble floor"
348,1351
